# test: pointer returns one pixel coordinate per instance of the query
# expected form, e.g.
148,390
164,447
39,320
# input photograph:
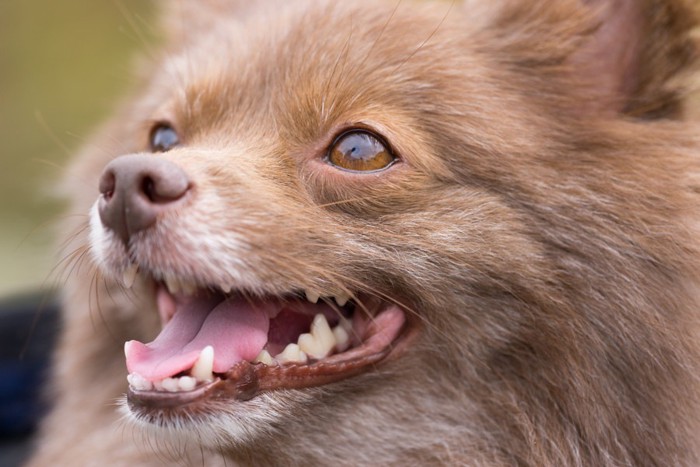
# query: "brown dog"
391,233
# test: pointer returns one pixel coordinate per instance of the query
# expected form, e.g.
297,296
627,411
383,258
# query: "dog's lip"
246,380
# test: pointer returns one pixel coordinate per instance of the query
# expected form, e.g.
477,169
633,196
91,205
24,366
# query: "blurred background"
63,65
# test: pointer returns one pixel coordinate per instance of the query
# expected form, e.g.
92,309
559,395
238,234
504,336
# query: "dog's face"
361,217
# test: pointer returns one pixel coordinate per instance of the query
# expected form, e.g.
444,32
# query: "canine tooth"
342,338
225,288
170,385
172,284
264,357
187,383
130,275
291,353
127,347
311,346
312,296
322,332
203,369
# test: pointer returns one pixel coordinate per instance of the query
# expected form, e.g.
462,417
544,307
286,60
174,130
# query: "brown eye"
163,138
360,151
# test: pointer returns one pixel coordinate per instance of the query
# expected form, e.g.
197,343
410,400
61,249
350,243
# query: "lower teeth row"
320,342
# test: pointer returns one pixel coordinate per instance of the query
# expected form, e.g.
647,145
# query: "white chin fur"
99,242
239,424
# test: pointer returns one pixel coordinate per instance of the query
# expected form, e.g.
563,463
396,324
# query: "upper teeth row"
340,298
176,285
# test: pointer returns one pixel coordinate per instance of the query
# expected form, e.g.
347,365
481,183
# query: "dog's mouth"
218,344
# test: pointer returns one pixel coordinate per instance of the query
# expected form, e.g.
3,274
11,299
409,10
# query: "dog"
389,233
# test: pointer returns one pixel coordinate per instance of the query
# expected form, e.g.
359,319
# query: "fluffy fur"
540,230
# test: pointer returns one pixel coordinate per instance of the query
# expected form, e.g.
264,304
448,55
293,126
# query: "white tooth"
130,275
311,346
323,333
188,288
264,357
341,299
138,382
291,353
225,288
204,366
172,284
187,383
312,296
170,385
158,385
127,348
346,324
342,338
308,344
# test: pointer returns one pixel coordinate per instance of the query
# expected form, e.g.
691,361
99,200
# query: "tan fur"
541,229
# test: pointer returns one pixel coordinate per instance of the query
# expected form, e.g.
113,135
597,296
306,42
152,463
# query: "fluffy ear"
615,56
634,59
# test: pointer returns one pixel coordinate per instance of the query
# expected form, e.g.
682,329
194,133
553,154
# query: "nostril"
148,187
163,185
107,186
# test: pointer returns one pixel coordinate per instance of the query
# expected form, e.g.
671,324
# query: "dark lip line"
243,381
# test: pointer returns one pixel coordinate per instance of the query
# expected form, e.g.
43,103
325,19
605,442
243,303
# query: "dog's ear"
636,54
625,56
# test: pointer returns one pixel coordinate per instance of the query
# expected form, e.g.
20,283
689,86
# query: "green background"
63,64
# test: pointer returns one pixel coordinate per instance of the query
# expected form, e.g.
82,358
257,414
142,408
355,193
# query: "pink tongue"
236,328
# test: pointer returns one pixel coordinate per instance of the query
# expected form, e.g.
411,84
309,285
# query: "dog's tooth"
158,385
188,288
225,288
322,332
311,346
172,283
138,382
346,324
264,357
342,338
203,369
127,348
130,275
312,296
291,353
186,383
341,299
170,384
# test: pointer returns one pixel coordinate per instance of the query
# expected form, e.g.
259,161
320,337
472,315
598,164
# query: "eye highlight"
163,138
360,151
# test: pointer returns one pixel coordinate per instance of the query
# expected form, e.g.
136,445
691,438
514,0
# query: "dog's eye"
359,151
163,138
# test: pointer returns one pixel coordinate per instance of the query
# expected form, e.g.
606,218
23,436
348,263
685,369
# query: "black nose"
136,189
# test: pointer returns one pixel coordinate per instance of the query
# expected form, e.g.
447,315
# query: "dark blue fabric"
28,327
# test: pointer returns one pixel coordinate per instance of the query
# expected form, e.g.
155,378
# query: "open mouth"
229,344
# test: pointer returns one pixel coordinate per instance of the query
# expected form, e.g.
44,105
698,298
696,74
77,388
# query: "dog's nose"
136,189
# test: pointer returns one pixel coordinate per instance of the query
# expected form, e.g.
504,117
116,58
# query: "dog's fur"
541,230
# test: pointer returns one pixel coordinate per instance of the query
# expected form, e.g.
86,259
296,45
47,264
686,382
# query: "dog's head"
406,223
